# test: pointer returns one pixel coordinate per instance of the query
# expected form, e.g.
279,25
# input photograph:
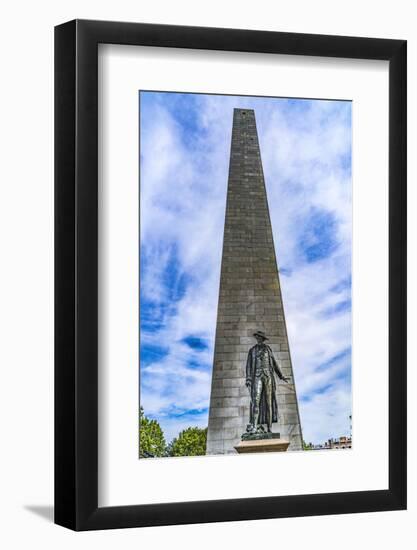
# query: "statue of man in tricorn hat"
260,381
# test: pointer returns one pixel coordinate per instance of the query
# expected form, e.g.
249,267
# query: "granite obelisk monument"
253,390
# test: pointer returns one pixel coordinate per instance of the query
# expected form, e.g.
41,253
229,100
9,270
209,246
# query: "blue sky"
306,155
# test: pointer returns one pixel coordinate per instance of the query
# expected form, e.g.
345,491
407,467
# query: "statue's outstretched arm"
276,367
249,369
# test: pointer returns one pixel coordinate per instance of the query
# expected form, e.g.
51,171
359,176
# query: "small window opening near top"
243,113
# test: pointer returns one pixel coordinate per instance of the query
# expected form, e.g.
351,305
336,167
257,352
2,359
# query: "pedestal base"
263,445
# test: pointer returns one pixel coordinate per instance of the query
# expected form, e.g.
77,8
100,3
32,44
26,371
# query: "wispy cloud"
306,151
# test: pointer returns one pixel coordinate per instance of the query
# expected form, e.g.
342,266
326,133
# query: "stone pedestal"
268,443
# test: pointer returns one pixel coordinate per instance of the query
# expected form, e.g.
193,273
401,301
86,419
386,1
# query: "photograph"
245,251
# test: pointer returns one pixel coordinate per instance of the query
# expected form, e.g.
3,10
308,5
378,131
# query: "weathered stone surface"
249,300
263,446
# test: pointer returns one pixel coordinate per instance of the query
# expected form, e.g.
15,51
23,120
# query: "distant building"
343,442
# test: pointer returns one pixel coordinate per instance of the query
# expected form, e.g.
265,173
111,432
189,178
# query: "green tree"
307,446
190,442
151,437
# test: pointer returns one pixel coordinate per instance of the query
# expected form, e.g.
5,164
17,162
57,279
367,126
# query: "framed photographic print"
230,275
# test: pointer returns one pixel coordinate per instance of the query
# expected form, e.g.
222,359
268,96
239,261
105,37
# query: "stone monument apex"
253,397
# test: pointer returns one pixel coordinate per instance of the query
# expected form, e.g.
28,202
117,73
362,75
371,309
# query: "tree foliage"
151,437
190,442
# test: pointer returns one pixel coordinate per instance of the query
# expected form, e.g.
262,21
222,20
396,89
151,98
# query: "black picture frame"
76,273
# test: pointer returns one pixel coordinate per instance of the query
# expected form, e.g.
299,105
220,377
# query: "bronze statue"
260,381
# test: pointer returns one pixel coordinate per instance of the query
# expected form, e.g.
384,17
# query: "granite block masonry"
250,300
